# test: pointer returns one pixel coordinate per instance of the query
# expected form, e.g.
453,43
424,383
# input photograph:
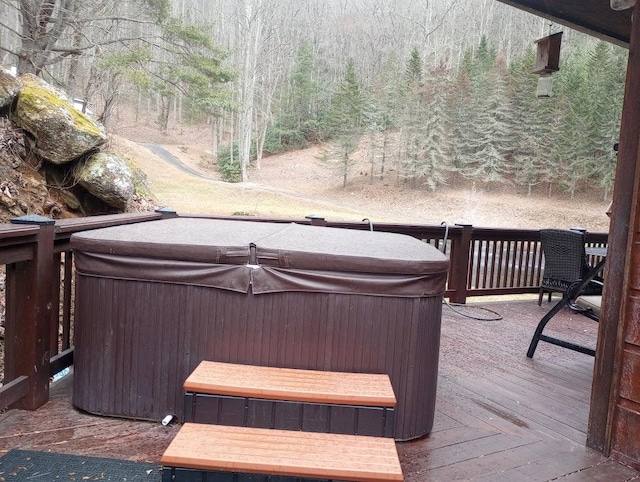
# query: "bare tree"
53,30
250,25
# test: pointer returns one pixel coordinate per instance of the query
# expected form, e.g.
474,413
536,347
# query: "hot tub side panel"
136,342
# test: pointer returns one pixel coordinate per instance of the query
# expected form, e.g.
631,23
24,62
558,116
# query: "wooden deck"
500,415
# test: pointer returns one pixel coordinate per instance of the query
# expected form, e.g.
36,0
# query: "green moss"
140,181
37,97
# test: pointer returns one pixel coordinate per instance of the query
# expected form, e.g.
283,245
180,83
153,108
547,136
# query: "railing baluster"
66,304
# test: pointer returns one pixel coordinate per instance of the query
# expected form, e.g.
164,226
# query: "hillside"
296,184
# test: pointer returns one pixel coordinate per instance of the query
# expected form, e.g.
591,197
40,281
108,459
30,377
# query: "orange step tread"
284,453
292,384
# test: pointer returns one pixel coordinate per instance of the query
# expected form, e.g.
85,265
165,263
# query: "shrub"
229,168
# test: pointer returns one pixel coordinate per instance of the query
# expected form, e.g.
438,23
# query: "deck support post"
30,305
459,268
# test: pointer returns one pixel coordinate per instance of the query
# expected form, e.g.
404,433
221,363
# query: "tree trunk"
250,24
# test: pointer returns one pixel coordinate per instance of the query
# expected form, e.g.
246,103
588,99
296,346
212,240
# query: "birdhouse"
548,56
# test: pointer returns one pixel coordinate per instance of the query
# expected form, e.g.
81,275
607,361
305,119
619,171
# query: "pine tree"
436,157
483,133
414,68
345,122
531,125
390,91
412,134
303,90
463,113
570,143
373,127
485,56
297,123
605,82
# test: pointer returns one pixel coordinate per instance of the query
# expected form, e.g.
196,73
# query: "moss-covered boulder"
9,87
108,178
59,132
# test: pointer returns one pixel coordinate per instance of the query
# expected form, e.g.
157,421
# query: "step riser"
287,415
194,475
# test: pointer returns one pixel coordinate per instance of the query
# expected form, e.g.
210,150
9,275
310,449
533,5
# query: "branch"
422,26
10,4
9,51
66,9
80,50
6,27
117,19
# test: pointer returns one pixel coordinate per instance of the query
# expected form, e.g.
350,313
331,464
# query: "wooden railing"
38,260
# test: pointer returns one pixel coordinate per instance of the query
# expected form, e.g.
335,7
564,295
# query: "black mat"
32,466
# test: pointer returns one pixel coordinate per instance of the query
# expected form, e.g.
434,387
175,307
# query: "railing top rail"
16,230
513,233
364,225
66,227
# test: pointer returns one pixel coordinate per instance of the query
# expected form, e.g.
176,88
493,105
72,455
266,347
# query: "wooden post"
28,321
167,213
603,393
459,269
316,220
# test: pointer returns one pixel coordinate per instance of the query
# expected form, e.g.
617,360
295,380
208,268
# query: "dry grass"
188,194
296,184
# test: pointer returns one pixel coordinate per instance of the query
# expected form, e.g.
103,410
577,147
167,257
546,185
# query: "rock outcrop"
58,131
53,158
9,87
107,177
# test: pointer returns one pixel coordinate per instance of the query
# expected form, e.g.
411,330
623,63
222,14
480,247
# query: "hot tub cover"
263,257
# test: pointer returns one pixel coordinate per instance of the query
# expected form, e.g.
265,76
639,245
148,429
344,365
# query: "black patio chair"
574,298
566,270
565,262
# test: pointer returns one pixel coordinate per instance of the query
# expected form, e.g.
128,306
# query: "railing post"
29,314
316,220
167,213
460,259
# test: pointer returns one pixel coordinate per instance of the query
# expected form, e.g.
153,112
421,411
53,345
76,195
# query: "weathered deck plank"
499,415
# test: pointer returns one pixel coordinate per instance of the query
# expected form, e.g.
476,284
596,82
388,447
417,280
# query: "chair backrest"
564,254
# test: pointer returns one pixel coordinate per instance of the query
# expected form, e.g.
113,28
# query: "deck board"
495,417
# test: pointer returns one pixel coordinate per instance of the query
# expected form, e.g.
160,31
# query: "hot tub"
154,299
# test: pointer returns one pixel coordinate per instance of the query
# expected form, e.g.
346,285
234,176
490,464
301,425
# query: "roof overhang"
594,17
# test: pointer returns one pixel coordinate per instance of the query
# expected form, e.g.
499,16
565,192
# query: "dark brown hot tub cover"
263,257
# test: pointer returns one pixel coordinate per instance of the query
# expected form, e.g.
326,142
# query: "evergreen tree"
297,123
412,133
414,68
531,128
345,122
390,91
373,127
436,158
571,139
192,67
464,124
303,92
483,140
485,57
605,82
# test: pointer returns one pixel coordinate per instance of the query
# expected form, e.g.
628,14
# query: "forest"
433,92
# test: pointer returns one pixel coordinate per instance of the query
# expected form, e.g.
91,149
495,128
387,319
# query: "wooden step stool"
290,399
220,453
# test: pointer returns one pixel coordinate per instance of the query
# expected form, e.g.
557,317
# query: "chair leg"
549,299
540,297
543,322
